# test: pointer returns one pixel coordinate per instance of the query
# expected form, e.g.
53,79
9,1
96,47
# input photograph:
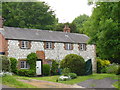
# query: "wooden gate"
88,67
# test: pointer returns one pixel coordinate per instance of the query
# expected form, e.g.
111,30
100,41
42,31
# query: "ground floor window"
24,65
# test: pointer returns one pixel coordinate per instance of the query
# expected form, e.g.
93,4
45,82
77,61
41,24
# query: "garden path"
48,84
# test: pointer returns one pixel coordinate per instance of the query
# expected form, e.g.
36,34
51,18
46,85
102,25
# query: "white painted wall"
58,53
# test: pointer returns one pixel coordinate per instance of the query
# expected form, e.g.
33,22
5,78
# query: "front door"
39,67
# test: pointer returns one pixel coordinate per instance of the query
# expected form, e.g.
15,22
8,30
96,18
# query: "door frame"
41,67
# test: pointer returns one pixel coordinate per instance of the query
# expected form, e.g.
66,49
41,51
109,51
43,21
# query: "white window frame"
48,45
68,46
24,44
24,65
82,47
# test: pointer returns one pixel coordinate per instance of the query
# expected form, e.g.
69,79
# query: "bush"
65,71
102,65
75,63
46,69
5,63
72,75
118,72
13,65
54,68
112,69
31,59
26,72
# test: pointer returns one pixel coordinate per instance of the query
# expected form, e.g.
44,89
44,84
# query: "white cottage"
19,42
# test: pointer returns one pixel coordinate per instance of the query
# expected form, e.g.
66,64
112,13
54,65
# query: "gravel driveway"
101,83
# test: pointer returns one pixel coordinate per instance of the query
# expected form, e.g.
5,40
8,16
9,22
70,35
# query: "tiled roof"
43,35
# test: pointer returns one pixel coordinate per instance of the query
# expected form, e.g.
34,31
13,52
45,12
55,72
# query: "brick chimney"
1,22
66,29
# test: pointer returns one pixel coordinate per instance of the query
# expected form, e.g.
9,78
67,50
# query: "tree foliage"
102,28
78,21
28,15
0,9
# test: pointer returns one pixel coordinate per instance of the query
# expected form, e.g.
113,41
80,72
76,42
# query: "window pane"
48,45
26,44
22,44
22,64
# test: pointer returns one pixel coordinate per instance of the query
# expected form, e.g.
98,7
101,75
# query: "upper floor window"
68,46
48,45
82,47
25,44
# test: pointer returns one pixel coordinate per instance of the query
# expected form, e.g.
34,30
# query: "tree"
0,9
78,21
102,28
28,15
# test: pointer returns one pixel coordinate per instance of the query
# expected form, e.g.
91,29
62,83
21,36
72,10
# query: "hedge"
13,65
75,63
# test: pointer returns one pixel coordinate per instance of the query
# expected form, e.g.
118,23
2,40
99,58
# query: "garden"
71,70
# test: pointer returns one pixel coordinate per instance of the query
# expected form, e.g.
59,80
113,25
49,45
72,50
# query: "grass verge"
73,81
13,82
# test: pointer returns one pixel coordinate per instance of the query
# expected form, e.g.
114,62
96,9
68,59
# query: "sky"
68,10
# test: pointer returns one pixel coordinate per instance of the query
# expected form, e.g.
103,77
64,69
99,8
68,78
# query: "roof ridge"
44,30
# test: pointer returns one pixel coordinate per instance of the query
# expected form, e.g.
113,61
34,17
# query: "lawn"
73,81
13,82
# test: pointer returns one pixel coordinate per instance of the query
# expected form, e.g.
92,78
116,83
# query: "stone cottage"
19,42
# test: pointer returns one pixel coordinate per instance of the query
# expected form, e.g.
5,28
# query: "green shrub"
46,69
72,75
118,72
31,59
13,65
54,68
102,65
65,71
75,63
112,68
26,72
5,63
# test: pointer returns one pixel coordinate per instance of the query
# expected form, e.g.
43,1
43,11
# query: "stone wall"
58,53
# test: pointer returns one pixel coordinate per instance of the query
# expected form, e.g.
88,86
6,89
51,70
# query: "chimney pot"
66,29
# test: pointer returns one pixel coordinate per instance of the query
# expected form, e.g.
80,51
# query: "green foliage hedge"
113,69
65,71
101,65
118,72
5,63
75,63
13,65
72,75
46,69
54,68
26,72
31,59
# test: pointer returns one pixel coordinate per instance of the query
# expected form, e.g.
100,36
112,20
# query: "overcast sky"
68,10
